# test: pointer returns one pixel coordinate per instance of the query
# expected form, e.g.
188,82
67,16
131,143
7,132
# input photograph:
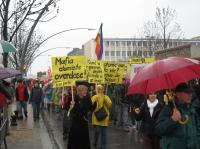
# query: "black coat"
79,132
148,122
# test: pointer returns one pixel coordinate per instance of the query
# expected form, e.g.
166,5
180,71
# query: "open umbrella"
6,47
164,74
8,73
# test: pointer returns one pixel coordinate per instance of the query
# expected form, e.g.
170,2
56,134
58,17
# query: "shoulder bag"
101,114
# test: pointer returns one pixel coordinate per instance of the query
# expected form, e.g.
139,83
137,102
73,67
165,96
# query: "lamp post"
63,31
41,54
55,34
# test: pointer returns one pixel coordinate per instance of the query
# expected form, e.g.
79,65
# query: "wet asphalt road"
117,138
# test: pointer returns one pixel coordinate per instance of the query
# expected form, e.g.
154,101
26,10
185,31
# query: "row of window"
142,43
128,53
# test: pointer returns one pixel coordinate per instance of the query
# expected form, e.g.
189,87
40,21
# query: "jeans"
22,105
36,110
100,130
118,109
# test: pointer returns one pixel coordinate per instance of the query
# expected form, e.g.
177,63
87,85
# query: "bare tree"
166,21
163,29
15,13
152,34
15,59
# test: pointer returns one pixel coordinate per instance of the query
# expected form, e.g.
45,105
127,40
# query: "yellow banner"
63,84
68,69
139,60
122,72
95,71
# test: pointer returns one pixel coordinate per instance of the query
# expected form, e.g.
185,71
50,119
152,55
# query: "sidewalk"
28,134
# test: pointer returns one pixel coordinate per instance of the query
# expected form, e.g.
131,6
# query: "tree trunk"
32,30
5,31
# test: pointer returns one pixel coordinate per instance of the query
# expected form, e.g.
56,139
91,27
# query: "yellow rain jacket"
103,100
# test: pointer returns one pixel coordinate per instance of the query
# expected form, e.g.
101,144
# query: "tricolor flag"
99,43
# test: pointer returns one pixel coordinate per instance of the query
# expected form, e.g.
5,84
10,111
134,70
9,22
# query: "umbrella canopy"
6,47
8,73
164,74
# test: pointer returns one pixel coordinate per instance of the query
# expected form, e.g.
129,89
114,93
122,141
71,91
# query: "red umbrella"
164,74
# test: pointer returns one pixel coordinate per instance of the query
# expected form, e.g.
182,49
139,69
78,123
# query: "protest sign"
122,71
70,68
110,72
141,60
95,72
63,84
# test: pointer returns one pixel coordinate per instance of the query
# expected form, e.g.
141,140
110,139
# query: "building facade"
188,50
121,49
76,52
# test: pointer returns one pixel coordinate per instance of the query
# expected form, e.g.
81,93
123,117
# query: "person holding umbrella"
148,114
178,123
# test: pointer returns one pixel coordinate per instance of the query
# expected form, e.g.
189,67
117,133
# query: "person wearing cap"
178,122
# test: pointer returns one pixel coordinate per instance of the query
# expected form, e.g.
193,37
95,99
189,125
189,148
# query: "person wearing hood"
100,126
148,114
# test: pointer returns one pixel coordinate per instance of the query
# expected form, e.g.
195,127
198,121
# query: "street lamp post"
67,30
55,34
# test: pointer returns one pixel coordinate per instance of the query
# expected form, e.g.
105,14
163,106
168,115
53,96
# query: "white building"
121,49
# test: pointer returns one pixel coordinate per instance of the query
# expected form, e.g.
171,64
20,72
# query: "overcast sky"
120,18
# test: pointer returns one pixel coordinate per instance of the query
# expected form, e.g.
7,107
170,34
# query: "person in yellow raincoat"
100,127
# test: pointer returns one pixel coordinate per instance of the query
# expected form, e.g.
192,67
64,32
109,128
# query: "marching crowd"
165,119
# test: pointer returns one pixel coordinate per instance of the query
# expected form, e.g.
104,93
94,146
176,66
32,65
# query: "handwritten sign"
70,68
95,72
139,60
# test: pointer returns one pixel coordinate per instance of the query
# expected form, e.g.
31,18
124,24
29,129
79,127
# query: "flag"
49,73
99,43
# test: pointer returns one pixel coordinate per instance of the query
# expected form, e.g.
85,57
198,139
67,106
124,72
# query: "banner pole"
72,93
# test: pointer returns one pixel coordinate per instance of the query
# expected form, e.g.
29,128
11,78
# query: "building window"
139,43
118,53
123,43
112,53
112,43
175,44
134,53
106,53
117,43
144,43
129,43
128,53
123,53
145,53
107,43
170,44
134,43
139,53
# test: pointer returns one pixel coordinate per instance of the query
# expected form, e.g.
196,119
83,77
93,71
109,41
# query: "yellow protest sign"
121,72
57,84
70,68
95,71
63,84
140,60
110,72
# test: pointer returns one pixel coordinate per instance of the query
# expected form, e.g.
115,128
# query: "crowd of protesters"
165,119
